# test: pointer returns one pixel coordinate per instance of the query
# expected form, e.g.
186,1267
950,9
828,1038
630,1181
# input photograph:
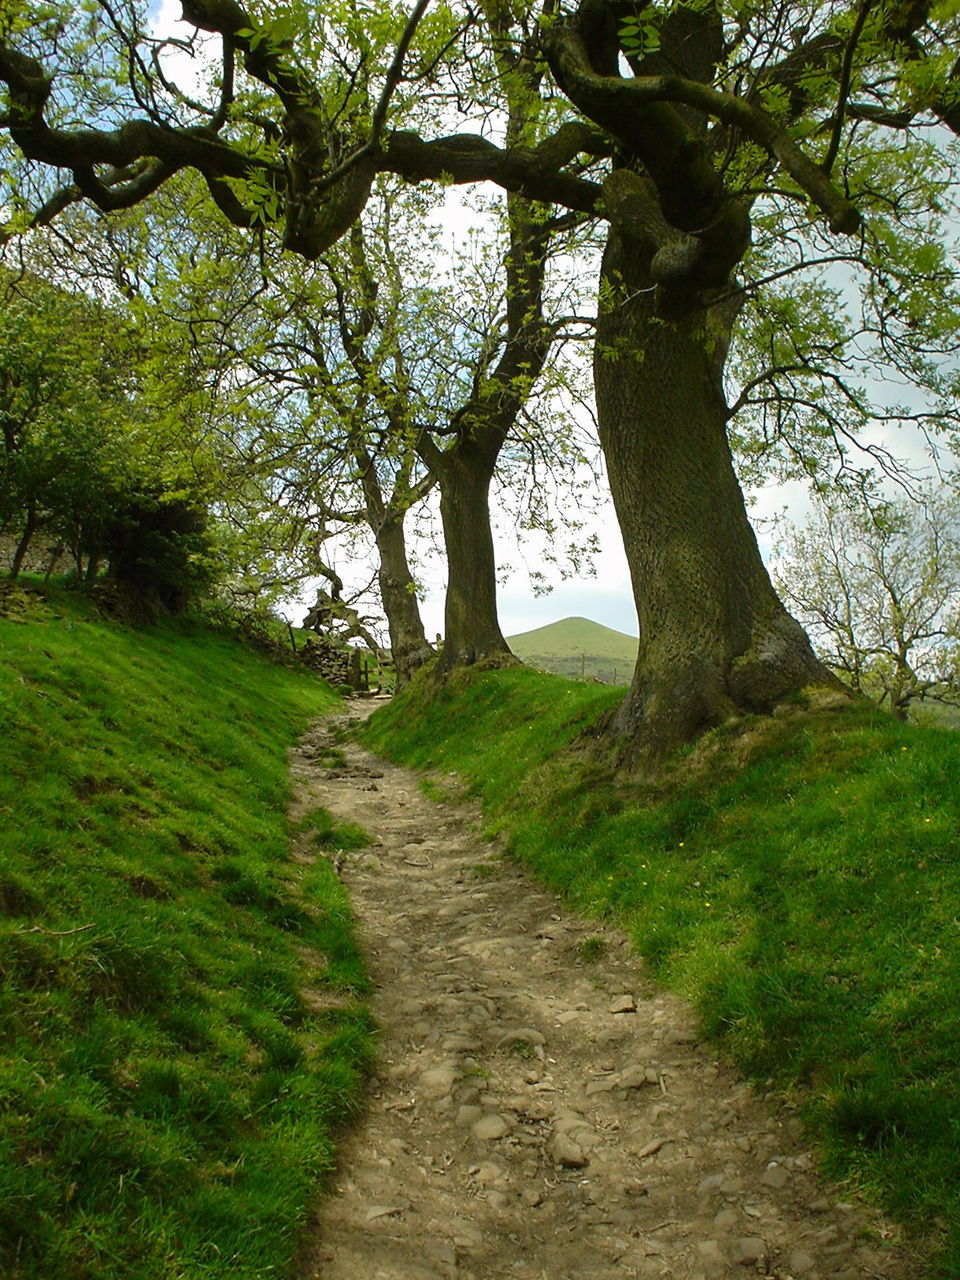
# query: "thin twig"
56,933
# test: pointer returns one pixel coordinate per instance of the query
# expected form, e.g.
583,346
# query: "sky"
607,597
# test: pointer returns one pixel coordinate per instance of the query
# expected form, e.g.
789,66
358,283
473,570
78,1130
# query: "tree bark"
409,646
472,628
715,639
398,594
23,546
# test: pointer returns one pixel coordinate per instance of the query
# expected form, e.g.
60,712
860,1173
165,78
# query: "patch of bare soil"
540,1110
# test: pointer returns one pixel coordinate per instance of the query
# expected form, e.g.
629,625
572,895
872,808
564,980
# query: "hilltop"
578,649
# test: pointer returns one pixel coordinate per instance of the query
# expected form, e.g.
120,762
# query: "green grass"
180,1009
796,877
329,832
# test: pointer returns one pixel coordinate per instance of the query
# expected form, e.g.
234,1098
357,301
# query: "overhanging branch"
637,112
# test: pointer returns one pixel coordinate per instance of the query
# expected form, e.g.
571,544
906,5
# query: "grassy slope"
798,878
166,1096
575,644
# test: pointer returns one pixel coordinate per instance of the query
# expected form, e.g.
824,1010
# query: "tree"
341,379
438,376
218,422
726,119
63,414
878,583
366,430
160,550
79,460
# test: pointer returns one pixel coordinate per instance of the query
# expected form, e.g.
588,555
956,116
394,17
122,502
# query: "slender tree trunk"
23,546
715,639
55,555
470,615
408,640
398,594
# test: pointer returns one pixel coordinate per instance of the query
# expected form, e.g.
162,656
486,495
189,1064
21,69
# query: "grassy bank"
798,878
179,1010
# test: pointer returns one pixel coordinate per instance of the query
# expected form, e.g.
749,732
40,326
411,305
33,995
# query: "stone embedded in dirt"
467,1115
417,855
801,1262
460,1044
711,1254
775,1176
651,1148
828,1235
603,1085
491,1127
437,1081
710,1184
678,1036
442,1254
520,1036
466,1234
637,1075
567,1153
490,1173
530,1107
748,1250
567,1120
623,1004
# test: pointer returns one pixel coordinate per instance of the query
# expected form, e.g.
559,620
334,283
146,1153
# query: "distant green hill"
578,649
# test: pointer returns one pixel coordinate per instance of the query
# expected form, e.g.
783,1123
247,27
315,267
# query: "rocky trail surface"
540,1111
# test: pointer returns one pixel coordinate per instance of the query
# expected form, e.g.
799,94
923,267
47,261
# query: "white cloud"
188,68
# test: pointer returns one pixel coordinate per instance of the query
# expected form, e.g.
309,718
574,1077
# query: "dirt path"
540,1110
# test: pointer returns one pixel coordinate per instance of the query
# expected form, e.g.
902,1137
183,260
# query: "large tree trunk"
398,594
470,615
715,639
